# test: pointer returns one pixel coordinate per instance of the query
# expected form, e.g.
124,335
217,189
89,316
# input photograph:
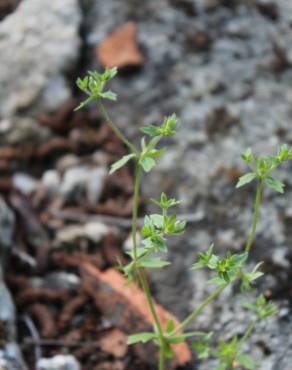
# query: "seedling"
159,227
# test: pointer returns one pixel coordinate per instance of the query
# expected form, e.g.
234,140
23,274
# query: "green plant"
158,227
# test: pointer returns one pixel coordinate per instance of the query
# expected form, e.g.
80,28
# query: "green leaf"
246,361
141,337
216,281
155,153
84,103
198,265
247,156
109,73
120,163
202,349
181,338
110,95
147,163
157,220
82,84
239,259
153,263
245,179
150,130
170,326
274,184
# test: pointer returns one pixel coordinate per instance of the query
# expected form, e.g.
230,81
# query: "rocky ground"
224,67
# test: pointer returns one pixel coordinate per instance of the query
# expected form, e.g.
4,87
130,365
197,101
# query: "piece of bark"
126,305
120,48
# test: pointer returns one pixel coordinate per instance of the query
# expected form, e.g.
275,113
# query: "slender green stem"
150,302
199,309
140,270
161,359
135,208
116,130
255,216
247,332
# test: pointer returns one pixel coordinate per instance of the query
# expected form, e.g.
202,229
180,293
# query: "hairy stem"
135,209
140,270
255,216
199,309
161,359
148,295
116,130
247,332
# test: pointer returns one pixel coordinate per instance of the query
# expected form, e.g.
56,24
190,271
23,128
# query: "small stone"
66,162
128,243
280,255
60,280
120,48
86,179
24,183
73,179
95,183
95,231
70,234
59,362
51,181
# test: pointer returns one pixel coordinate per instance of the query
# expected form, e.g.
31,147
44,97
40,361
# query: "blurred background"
224,67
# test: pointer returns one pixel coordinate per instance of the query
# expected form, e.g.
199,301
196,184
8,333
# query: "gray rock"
59,362
11,358
7,221
19,130
43,45
7,314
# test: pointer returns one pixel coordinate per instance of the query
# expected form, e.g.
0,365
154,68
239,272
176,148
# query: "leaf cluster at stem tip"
149,152
227,269
93,85
262,166
229,356
156,228
261,307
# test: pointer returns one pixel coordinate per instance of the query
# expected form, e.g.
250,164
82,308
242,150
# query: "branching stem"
199,309
116,130
161,359
247,332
